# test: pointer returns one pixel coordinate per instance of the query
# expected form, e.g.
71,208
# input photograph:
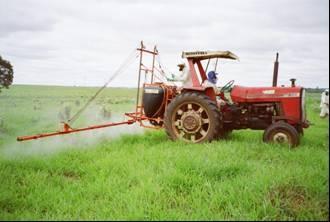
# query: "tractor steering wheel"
227,86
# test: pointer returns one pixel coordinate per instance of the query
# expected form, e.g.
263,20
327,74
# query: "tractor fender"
209,91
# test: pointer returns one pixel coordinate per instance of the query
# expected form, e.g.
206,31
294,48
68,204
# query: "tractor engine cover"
291,99
242,94
153,97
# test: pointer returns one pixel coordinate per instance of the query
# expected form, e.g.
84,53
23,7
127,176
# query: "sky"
82,43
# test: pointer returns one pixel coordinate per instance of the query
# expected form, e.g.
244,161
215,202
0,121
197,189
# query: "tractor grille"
303,105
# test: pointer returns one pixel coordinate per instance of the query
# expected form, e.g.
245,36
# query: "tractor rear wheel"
281,132
192,117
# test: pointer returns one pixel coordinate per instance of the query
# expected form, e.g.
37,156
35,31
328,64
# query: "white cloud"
83,42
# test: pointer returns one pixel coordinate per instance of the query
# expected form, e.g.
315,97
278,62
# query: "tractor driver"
211,81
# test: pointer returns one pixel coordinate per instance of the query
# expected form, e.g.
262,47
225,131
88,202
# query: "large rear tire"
283,133
192,117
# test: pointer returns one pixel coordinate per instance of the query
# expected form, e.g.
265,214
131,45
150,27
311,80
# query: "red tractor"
192,113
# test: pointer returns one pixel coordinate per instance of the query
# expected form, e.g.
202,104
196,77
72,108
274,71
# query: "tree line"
6,74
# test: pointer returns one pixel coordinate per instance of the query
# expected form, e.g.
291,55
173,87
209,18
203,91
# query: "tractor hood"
209,55
290,100
264,94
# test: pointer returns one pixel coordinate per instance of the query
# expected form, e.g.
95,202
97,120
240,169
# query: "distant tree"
6,74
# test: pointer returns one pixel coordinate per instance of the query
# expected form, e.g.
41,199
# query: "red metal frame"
193,73
137,116
196,84
67,130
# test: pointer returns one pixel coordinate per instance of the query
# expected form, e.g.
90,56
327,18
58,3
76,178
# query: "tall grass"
148,177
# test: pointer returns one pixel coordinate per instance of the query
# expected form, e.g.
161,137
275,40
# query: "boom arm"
67,129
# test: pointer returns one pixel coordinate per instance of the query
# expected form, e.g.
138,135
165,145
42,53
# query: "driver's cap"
212,76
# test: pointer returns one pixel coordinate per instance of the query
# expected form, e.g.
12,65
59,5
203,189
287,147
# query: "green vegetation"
6,74
146,176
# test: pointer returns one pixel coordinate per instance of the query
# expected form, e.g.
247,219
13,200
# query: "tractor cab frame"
197,71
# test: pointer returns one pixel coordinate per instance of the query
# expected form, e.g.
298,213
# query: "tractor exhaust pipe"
275,72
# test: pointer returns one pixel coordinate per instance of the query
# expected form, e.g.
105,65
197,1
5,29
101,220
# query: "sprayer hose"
133,55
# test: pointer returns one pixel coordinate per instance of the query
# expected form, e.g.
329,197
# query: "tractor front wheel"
192,117
283,133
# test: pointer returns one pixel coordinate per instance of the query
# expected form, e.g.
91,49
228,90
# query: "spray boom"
67,130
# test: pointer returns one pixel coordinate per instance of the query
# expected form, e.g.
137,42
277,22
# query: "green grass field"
125,173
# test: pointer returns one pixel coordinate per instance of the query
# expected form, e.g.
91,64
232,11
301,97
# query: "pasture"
127,173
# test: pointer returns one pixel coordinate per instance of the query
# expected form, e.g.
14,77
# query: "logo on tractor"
291,95
196,53
271,91
151,91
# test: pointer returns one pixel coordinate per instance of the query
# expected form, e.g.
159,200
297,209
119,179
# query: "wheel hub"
281,138
191,122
